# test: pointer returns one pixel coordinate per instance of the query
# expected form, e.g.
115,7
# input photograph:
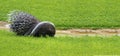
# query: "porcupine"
23,23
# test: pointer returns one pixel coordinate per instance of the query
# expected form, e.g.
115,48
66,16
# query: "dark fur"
45,29
23,23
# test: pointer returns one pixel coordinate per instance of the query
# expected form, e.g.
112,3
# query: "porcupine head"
23,23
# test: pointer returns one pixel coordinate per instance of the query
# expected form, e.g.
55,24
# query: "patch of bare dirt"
4,25
89,32
76,32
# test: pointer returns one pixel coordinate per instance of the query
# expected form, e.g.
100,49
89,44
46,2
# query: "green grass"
68,13
12,45
64,14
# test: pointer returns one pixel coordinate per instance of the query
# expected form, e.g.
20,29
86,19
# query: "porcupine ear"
44,28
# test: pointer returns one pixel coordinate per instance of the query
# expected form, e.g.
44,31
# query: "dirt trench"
76,32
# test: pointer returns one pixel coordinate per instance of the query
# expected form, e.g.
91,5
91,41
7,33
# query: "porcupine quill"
23,23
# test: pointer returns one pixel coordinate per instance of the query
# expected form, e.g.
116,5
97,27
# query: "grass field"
68,13
64,14
12,45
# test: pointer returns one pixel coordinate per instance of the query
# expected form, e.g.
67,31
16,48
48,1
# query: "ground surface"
68,13
76,32
12,45
85,15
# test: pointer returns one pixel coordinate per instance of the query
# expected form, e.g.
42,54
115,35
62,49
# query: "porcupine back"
21,22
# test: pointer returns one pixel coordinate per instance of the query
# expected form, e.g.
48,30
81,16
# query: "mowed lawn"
12,45
64,14
68,13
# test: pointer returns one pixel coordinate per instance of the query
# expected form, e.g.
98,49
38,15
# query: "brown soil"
76,32
89,32
3,25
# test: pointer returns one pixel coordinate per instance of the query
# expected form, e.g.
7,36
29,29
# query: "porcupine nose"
43,29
